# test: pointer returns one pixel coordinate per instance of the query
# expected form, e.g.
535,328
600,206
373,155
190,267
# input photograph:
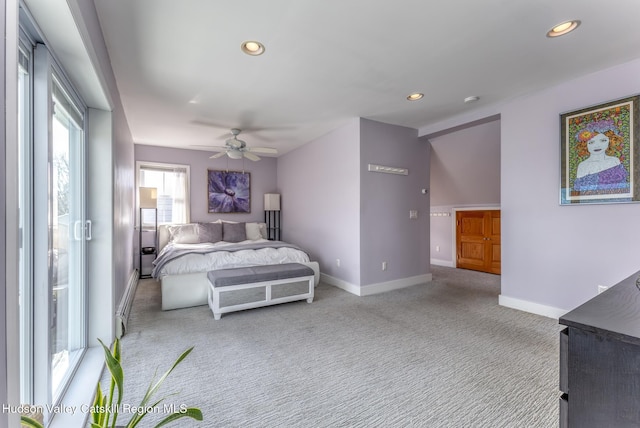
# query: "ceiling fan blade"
265,150
251,156
218,155
211,148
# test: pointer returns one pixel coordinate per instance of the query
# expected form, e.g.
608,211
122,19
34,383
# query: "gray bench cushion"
248,275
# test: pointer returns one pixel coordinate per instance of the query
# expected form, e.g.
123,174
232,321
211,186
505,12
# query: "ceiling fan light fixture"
415,96
563,28
234,154
253,48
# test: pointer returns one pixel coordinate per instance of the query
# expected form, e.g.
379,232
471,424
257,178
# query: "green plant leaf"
118,357
112,360
191,412
153,388
26,421
98,402
138,416
164,376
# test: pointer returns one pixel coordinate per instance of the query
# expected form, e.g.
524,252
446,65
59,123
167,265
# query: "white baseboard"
534,308
337,282
445,263
381,287
124,308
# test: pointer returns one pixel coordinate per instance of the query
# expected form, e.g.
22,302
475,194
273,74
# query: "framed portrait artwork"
599,154
228,192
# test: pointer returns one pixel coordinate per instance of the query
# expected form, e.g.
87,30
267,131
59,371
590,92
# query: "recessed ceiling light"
471,99
415,97
564,28
252,47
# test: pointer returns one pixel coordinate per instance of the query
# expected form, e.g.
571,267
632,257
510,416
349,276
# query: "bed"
186,252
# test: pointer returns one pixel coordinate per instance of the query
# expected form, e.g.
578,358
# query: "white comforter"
192,263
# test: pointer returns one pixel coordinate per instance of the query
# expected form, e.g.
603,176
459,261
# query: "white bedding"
193,263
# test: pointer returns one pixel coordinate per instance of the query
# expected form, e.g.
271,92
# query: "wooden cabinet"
478,240
600,360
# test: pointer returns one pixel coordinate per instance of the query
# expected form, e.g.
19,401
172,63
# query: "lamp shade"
148,197
271,202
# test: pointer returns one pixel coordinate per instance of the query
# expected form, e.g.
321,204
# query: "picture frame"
600,151
228,191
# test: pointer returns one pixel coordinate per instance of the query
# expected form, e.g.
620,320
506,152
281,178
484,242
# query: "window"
172,182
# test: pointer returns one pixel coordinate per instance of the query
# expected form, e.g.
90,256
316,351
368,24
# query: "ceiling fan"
236,148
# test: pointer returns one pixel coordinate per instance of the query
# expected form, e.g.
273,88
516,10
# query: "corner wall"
336,209
387,234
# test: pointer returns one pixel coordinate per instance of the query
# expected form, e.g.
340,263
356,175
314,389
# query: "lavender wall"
386,231
557,255
553,257
263,178
123,203
465,166
320,186
122,154
465,172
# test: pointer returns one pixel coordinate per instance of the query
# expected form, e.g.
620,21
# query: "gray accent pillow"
234,232
210,232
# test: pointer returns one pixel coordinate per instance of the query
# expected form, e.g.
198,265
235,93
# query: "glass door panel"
68,230
25,207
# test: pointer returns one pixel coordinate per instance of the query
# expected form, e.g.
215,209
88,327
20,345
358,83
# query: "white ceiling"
184,80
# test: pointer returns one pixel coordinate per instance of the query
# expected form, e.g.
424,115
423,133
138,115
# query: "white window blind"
172,182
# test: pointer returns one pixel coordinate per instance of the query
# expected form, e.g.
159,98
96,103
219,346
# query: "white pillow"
184,234
263,230
253,231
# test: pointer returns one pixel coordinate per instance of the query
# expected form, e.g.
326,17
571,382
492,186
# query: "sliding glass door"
54,228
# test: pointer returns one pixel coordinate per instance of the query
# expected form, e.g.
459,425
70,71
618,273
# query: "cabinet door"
604,381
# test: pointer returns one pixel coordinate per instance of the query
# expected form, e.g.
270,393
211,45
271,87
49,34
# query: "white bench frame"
214,295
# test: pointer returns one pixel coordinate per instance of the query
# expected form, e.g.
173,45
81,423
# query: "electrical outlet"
384,265
602,288
413,214
438,248
338,262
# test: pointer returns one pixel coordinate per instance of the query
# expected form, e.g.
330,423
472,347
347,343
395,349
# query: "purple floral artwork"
229,192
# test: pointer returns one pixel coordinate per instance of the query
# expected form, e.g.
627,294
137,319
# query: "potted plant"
105,408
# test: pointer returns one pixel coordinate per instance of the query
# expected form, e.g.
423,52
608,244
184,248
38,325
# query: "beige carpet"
441,354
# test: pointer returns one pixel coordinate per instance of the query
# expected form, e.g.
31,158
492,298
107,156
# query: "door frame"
454,231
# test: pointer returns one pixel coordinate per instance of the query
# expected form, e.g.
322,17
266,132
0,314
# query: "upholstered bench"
275,279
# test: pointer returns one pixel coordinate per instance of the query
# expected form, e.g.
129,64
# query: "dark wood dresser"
600,360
